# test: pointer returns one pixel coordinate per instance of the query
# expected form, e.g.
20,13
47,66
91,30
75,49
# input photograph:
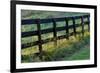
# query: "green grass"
74,47
65,50
47,14
81,55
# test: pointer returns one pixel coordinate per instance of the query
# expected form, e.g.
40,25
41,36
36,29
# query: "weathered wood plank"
74,28
67,29
50,30
39,39
82,23
54,31
26,45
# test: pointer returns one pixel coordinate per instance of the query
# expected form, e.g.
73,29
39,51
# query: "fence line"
55,29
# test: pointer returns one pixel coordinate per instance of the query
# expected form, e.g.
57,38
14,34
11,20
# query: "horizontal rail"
23,46
50,30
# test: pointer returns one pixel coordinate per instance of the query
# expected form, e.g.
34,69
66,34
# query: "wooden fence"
53,30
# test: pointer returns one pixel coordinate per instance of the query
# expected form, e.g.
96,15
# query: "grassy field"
72,49
76,48
83,54
33,14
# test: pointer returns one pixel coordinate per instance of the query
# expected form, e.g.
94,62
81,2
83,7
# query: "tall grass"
63,50
74,45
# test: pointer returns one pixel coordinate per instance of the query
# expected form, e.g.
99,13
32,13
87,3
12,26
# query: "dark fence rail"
54,30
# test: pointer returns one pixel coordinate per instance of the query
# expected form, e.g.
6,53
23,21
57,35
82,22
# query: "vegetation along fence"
54,29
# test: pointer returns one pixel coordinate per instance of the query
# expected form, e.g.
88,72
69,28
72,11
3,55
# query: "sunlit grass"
83,54
73,46
56,52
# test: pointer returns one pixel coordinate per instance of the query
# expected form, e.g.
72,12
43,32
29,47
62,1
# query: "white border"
20,65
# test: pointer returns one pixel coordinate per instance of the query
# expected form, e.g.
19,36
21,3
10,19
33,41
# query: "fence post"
88,23
67,29
82,23
39,38
74,27
54,32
